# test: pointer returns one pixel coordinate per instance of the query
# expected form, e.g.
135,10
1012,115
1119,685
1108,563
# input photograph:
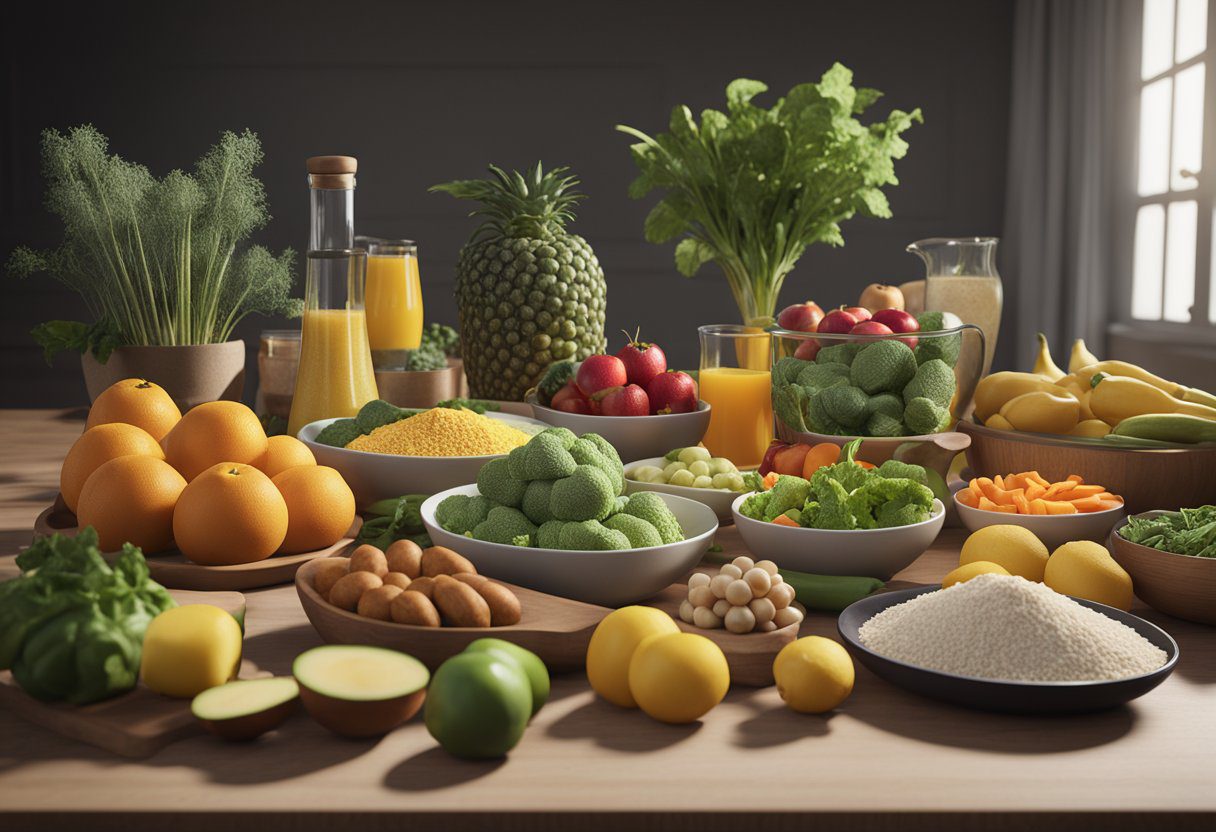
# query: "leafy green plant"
751,188
157,261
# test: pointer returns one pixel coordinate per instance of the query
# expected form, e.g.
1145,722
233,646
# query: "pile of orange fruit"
209,482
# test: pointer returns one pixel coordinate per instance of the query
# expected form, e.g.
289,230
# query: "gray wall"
426,92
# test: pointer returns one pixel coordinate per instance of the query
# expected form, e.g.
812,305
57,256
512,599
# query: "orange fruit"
135,401
283,452
212,433
230,513
131,499
320,507
99,445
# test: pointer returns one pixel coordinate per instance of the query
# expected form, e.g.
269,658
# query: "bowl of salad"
847,519
1171,556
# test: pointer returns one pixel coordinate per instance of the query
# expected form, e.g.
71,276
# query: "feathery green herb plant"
158,262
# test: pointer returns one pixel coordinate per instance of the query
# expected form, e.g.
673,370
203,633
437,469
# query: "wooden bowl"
1177,585
1146,478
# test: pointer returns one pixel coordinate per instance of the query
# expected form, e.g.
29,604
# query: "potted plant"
751,188
159,263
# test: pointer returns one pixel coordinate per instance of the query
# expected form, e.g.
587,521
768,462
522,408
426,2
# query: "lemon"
190,649
968,571
814,674
1013,547
1085,569
678,677
612,646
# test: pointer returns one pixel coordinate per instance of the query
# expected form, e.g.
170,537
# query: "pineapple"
528,291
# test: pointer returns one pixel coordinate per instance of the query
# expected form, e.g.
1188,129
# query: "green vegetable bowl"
611,578
875,553
1183,586
374,477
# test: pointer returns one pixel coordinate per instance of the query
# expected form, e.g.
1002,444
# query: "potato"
471,579
397,579
368,558
440,560
504,606
424,585
404,556
412,607
350,588
375,603
460,604
327,572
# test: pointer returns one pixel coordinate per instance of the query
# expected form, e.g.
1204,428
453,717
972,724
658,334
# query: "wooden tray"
556,629
136,724
173,570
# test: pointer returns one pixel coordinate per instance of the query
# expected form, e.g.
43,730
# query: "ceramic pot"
190,374
420,388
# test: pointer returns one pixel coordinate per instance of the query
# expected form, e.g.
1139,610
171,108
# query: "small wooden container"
420,388
1177,585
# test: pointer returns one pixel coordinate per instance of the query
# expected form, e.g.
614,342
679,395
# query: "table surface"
885,758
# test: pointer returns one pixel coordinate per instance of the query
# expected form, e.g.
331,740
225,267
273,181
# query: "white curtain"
1067,166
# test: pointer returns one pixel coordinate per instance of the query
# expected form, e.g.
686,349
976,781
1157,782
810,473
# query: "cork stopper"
332,172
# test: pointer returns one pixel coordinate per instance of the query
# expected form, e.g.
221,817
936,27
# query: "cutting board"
556,629
174,570
136,724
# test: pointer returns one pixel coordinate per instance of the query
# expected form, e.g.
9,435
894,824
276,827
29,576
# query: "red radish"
642,361
858,312
672,392
899,322
599,372
629,400
775,447
838,321
573,405
807,350
871,328
800,317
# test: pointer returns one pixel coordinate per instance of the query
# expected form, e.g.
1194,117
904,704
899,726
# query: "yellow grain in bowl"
442,431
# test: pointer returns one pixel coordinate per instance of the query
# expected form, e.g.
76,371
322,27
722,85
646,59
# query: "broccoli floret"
378,413
591,535
426,357
899,501
555,377
494,480
641,534
650,507
818,420
838,354
548,536
883,367
790,405
460,513
933,380
924,416
844,404
618,505
478,406
895,469
339,434
755,506
605,447
585,452
543,458
830,508
888,403
946,347
787,493
820,375
786,370
566,435
880,424
502,525
535,503
587,494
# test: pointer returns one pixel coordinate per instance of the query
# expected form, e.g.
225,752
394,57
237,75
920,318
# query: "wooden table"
885,760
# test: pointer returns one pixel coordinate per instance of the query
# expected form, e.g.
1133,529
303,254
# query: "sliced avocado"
245,710
360,691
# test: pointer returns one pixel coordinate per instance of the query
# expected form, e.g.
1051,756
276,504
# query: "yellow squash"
1123,369
1042,412
1116,398
993,391
1080,356
1043,363
1093,428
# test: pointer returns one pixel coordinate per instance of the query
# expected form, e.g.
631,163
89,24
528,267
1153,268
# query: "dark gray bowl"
1005,697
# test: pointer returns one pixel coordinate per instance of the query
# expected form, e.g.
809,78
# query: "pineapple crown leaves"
531,204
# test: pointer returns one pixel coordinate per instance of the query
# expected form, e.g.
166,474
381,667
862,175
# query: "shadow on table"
1194,664
435,769
778,725
619,729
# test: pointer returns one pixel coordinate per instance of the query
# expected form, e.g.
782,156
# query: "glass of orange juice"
734,379
393,300
335,376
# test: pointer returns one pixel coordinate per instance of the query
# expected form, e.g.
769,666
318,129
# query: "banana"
1081,356
1043,363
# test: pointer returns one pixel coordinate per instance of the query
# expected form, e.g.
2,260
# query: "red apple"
879,296
629,400
807,350
568,391
858,312
839,322
672,392
642,361
599,372
800,317
871,328
573,405
899,322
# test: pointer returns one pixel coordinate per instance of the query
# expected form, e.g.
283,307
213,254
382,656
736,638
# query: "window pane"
1188,127
1148,257
1212,279
1157,46
1155,137
1180,261
1192,29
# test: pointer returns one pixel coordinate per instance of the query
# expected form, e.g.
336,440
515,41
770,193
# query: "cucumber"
1168,427
826,593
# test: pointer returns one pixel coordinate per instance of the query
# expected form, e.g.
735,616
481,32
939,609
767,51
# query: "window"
1172,279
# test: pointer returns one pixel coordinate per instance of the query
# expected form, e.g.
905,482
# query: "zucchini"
1168,427
826,593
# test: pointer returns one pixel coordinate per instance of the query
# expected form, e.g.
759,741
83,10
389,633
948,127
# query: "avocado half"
360,691
244,710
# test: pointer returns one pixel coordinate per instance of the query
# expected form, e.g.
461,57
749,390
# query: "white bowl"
374,476
634,437
610,578
718,499
1053,529
875,553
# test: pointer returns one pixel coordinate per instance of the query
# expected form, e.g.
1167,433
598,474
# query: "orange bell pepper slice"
1059,507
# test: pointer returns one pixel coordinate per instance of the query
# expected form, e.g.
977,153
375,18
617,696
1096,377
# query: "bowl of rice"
435,450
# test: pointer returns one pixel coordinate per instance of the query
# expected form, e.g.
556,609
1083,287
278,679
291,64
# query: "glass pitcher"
335,376
961,277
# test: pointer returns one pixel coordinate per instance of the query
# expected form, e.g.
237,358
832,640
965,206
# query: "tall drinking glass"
335,376
394,300
734,380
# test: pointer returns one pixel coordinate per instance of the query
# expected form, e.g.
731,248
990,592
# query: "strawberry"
672,392
642,361
599,372
629,400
